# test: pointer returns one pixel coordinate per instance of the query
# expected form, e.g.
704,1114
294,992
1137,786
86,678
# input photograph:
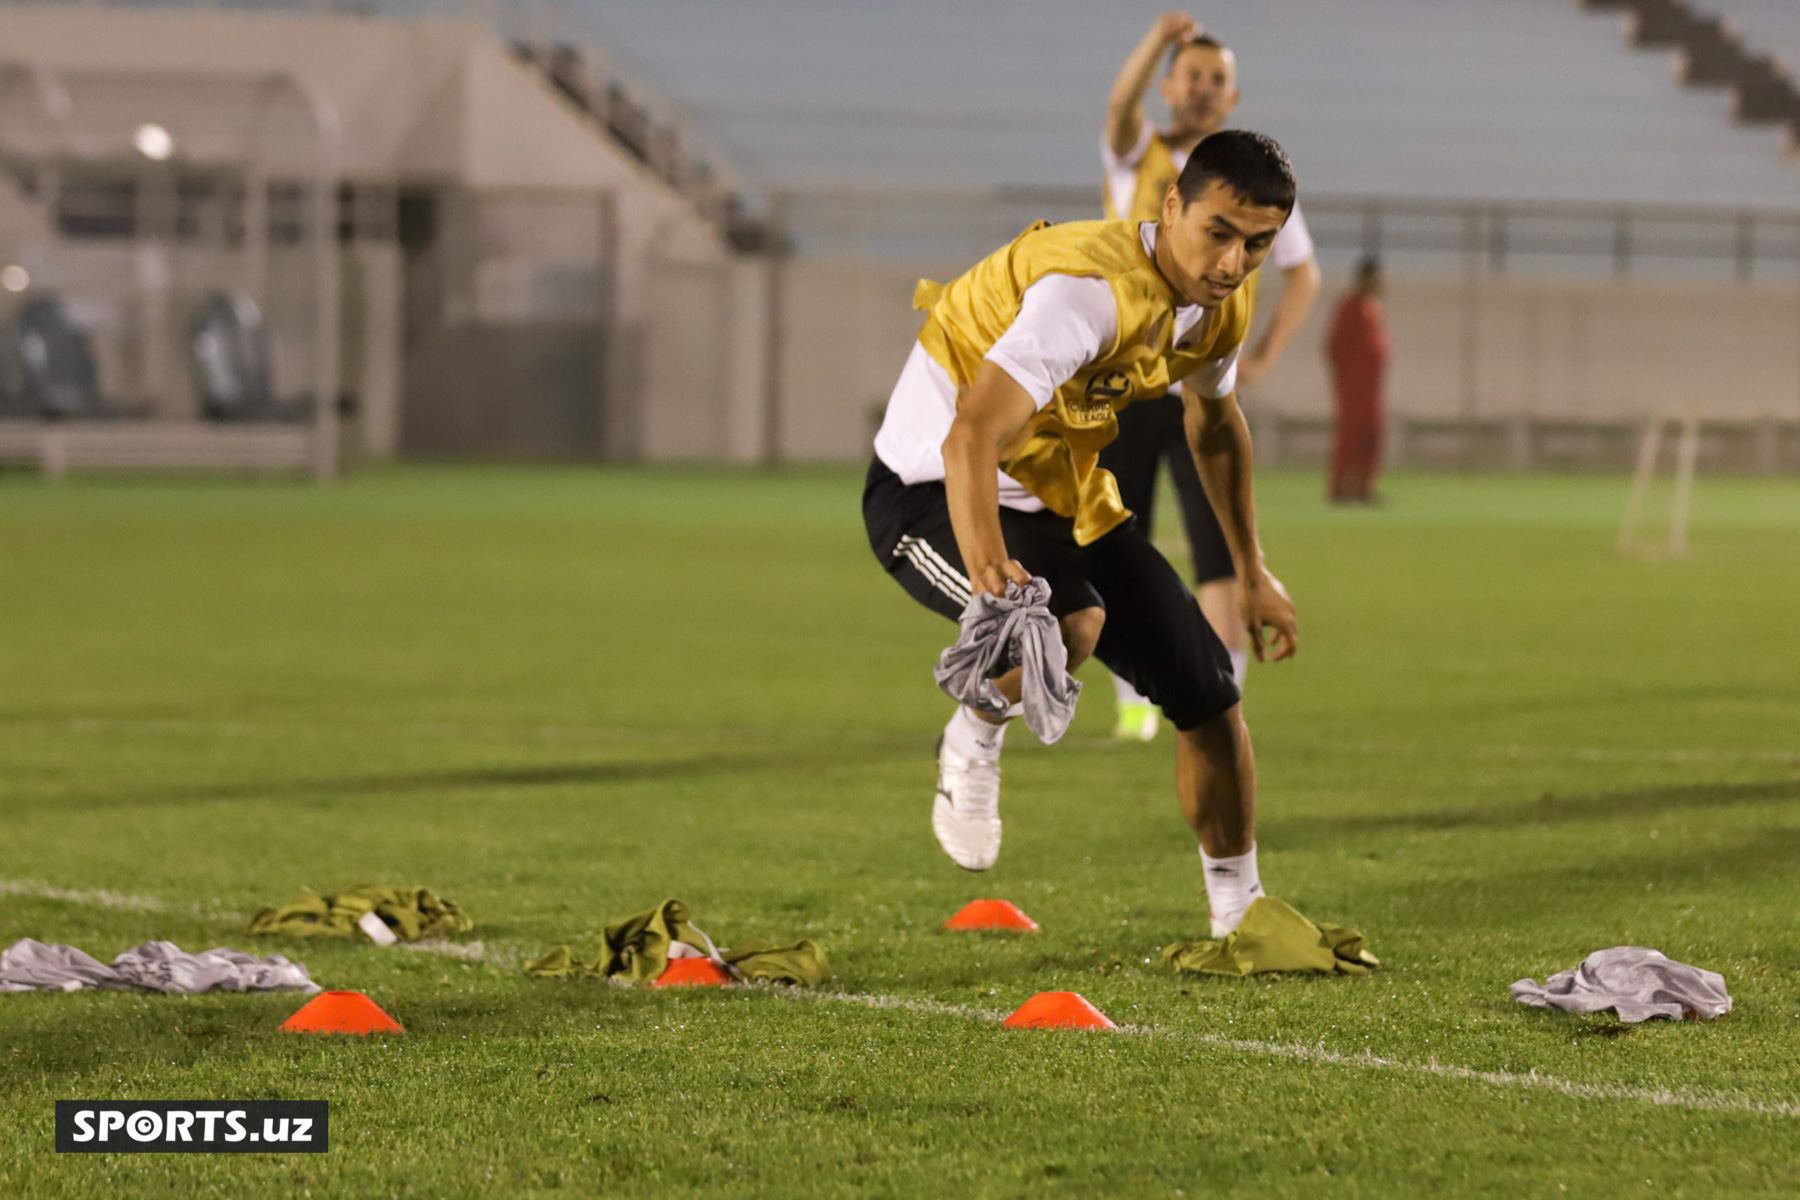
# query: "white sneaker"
966,814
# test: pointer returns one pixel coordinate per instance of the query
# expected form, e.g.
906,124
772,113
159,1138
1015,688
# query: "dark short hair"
1250,164
1205,41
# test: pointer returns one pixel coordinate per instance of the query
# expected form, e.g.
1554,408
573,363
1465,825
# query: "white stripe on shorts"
929,563
933,569
930,551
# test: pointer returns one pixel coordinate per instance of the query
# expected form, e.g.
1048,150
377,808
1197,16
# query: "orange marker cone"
692,972
991,914
1058,1010
341,1012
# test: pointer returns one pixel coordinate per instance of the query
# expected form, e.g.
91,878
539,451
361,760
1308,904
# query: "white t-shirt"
1064,323
1293,245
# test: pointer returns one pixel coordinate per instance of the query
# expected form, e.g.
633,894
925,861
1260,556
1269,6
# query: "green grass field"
560,696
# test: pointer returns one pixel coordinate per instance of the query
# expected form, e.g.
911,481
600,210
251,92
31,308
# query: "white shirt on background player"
1064,323
1293,245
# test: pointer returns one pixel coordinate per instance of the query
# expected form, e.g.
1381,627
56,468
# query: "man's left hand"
1267,605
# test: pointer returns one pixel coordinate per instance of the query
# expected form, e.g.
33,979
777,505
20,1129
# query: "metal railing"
1423,236
1533,334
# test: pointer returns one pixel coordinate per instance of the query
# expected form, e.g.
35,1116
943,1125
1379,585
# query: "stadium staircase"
1713,54
610,106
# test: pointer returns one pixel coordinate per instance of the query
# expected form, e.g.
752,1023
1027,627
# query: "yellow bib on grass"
1273,937
1057,457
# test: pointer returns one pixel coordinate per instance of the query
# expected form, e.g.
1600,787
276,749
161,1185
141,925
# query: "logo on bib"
1104,392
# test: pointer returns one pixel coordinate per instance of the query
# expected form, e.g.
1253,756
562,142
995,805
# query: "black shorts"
1154,636
1150,431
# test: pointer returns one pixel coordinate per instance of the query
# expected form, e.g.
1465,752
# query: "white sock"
1240,667
972,737
1127,693
1231,884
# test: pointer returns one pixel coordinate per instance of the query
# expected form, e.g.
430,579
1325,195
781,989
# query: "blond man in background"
1199,87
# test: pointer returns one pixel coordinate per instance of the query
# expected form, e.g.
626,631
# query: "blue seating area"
1515,99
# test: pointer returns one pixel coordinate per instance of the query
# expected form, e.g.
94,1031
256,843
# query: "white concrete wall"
848,329
1544,347
1580,349
687,369
706,370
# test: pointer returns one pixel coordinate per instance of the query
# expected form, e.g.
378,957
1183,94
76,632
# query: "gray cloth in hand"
1636,982
33,966
1003,632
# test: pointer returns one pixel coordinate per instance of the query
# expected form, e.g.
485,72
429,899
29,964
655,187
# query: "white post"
326,281
1648,450
1686,454
322,227
53,453
256,222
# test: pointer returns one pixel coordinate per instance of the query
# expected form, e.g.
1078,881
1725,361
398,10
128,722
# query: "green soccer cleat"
1138,722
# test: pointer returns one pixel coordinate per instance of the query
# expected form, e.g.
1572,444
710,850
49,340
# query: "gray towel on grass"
1635,982
1003,632
33,966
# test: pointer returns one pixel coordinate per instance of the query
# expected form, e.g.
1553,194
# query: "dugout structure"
135,204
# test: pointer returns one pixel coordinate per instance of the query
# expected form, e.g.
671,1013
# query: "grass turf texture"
560,696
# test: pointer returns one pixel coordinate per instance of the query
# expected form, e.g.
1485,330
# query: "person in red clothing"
1358,350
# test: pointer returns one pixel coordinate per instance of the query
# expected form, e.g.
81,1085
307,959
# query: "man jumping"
1199,86
986,471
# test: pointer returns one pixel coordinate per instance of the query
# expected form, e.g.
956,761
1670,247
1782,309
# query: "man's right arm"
1064,321
992,413
1125,103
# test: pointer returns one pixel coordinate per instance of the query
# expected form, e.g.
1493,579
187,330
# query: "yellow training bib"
1058,461
1155,172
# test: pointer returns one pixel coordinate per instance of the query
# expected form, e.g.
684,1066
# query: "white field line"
1673,1098
100,898
1297,1051
1363,1061
97,898
467,951
510,958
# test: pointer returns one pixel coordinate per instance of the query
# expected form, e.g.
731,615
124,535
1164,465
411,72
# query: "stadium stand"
1526,334
1765,26
541,257
1527,99
614,109
1713,53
